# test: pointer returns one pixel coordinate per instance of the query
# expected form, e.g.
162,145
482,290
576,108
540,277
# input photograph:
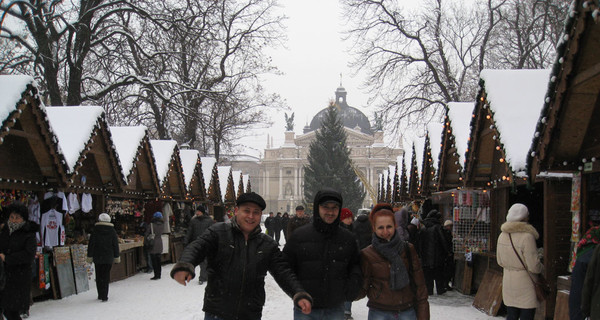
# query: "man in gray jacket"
198,224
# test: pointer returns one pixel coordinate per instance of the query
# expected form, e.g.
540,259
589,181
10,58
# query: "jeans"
513,313
334,313
155,258
348,307
409,314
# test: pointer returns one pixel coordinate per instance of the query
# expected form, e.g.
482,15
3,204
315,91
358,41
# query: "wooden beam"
585,75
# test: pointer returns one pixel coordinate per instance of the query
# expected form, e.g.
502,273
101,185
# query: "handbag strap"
518,256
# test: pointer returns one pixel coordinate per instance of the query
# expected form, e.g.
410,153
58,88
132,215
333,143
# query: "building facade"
281,175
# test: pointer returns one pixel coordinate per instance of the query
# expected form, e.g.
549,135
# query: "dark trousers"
436,275
103,279
12,314
156,264
277,235
513,313
203,272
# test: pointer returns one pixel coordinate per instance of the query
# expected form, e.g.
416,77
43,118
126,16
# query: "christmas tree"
329,164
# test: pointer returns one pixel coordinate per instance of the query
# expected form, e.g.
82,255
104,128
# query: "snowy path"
139,298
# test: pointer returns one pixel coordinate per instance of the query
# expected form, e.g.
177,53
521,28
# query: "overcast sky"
311,66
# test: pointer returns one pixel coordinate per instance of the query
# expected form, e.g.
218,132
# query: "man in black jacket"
198,224
434,251
297,221
325,258
239,256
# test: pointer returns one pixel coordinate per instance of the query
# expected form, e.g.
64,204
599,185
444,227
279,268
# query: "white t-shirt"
53,232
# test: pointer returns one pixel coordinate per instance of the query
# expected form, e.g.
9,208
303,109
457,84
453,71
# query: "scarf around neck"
12,227
392,251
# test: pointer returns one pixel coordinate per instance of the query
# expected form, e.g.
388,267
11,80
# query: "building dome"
351,117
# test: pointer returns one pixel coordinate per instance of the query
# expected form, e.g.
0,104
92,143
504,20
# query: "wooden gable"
214,188
28,153
97,169
195,183
568,131
174,185
230,189
427,169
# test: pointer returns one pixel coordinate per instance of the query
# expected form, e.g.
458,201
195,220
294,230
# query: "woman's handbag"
541,286
149,240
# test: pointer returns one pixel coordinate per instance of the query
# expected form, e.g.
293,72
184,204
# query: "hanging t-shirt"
86,202
33,206
73,203
65,204
53,231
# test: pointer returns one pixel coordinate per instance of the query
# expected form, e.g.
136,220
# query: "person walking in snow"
197,226
269,224
393,279
326,259
434,251
361,227
276,226
285,221
103,250
156,228
297,221
239,256
518,292
17,252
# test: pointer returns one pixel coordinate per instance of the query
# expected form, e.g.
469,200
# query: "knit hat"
447,223
517,212
346,213
158,215
328,195
251,197
18,208
104,217
434,214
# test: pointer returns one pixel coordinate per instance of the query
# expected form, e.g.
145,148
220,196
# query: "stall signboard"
64,271
80,267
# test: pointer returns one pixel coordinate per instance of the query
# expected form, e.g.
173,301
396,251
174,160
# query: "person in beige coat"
518,291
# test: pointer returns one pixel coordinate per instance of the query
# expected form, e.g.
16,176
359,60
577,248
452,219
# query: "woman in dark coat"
156,227
103,250
17,252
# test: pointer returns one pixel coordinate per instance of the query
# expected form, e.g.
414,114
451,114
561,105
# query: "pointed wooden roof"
503,125
192,171
169,169
214,187
91,158
569,125
137,162
28,151
427,169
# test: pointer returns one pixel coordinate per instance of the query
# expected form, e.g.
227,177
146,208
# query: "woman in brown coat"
393,279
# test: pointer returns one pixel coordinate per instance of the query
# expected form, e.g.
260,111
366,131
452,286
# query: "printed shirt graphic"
53,232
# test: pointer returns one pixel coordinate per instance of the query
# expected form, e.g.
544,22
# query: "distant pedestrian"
269,224
285,220
362,230
103,250
346,219
276,224
434,250
402,217
298,220
17,252
197,226
449,266
156,228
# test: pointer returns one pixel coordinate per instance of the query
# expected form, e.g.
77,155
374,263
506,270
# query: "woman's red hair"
382,210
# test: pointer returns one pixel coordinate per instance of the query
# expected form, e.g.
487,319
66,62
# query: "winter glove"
89,260
117,260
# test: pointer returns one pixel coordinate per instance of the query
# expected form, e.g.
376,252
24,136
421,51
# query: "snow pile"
516,98
127,141
11,89
189,159
73,127
207,167
163,151
460,115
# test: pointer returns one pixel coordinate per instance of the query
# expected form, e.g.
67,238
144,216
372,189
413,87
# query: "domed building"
281,174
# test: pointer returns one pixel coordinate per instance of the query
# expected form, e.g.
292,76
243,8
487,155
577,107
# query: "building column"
280,183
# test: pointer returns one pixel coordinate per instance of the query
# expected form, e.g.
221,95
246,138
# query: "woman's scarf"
13,226
392,251
588,241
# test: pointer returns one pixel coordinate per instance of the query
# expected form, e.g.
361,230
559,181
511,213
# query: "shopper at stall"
393,279
325,258
434,251
449,265
518,237
585,251
103,250
402,218
298,220
239,256
156,228
198,225
17,252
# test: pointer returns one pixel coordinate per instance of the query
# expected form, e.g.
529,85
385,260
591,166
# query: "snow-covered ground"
140,298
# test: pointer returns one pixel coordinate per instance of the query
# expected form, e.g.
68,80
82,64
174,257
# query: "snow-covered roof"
223,178
127,140
73,127
246,178
435,141
11,89
236,180
419,148
460,115
207,166
516,98
189,159
162,151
